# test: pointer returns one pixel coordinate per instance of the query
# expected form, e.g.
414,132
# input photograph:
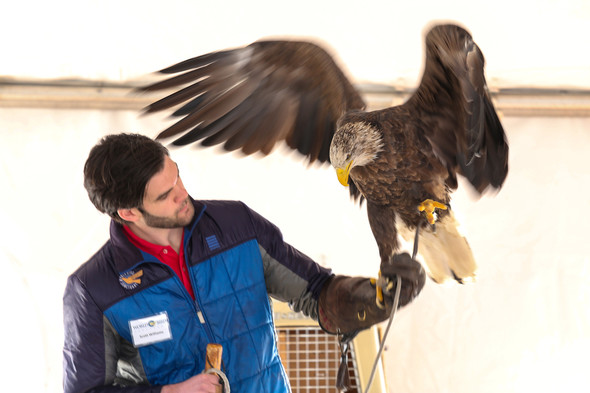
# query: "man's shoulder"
99,279
226,209
95,264
223,204
229,220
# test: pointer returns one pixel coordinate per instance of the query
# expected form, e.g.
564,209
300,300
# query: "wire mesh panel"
311,359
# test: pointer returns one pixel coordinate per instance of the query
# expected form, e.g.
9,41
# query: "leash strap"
398,288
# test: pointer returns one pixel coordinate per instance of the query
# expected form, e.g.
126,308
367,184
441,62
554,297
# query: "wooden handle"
213,360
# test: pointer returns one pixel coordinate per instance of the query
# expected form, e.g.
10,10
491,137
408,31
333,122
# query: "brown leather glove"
347,304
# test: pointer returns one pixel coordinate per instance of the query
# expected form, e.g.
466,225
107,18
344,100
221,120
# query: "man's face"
166,203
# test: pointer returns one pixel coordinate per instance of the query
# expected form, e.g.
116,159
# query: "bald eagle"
402,160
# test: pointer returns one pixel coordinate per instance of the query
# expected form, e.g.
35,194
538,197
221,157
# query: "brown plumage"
252,97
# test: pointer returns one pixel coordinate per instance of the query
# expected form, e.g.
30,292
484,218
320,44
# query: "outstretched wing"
252,97
464,129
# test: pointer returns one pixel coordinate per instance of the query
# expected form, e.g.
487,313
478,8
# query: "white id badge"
150,330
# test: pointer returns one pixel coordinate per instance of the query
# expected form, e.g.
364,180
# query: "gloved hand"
410,271
347,304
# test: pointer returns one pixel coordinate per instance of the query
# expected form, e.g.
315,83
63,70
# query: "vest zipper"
194,303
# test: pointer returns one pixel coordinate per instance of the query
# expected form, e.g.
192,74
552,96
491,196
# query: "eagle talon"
389,285
380,303
428,207
379,292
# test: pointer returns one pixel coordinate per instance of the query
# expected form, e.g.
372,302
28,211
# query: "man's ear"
131,215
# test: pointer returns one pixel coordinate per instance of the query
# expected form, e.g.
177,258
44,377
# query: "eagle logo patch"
130,279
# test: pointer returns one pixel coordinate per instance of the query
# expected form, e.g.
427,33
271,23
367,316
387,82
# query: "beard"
169,222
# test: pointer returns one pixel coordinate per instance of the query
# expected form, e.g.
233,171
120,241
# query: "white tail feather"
446,253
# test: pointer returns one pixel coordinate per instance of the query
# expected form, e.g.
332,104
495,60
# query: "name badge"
150,330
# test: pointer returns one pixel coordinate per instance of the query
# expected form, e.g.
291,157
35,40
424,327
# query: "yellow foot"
381,283
428,207
379,292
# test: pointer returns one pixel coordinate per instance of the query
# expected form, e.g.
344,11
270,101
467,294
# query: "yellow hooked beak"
343,174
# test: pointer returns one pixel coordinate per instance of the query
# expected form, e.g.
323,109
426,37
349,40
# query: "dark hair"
118,169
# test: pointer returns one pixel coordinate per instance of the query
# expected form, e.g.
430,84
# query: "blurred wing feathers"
250,98
465,132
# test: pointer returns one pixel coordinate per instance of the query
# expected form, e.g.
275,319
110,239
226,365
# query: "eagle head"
354,144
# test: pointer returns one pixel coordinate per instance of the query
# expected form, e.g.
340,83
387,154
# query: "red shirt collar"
144,245
165,254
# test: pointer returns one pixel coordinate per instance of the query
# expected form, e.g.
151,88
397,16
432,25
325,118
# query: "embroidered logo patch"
130,279
212,242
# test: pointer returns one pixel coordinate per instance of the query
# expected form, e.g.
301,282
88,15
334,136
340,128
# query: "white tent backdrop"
539,42
523,327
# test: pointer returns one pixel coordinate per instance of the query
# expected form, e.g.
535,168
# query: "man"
177,274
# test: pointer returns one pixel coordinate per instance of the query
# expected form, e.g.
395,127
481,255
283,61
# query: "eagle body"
404,173
251,98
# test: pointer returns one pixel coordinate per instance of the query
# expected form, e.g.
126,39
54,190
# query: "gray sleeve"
287,286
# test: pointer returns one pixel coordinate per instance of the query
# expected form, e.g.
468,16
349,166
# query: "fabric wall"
529,42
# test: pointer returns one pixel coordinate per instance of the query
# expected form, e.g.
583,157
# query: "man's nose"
181,193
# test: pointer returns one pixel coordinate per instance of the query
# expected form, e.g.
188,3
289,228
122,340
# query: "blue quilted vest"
232,308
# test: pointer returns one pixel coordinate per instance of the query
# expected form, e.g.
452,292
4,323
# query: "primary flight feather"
401,159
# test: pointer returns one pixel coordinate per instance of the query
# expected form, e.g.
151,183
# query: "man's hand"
411,273
202,383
